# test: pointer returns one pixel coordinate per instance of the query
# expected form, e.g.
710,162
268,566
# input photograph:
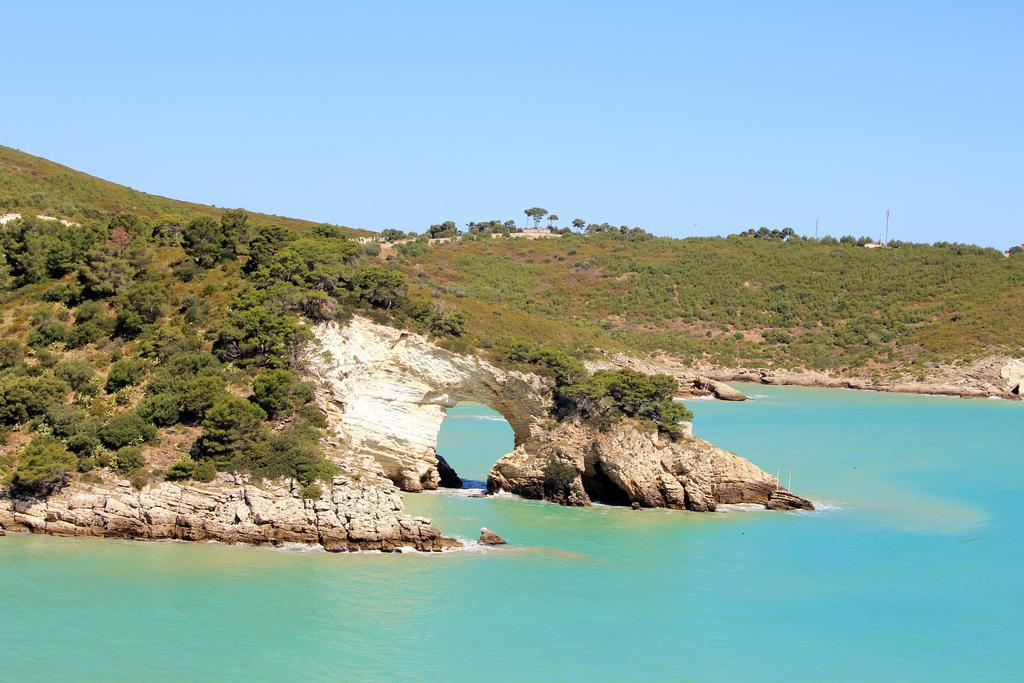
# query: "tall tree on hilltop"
535,213
579,224
552,219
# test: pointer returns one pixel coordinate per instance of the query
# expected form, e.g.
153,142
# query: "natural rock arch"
386,392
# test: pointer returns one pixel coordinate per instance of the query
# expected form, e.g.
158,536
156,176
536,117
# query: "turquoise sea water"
910,571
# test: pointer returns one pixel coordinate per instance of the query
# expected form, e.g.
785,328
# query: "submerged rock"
488,537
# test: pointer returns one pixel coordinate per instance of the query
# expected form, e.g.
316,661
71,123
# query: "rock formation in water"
363,513
488,537
575,464
387,391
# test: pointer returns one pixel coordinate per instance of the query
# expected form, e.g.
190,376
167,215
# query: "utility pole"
886,242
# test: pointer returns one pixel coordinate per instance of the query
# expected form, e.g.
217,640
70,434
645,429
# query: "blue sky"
682,118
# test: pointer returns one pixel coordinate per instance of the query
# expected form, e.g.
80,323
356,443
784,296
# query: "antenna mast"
886,242
817,217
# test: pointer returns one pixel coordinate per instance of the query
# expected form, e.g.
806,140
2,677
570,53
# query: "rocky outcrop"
488,537
352,514
575,464
690,382
998,376
386,391
447,477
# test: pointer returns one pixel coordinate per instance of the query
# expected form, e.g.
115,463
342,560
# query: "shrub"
231,427
126,429
200,394
67,293
139,478
48,332
610,394
85,334
23,397
83,443
162,410
67,421
44,467
124,373
128,459
280,392
292,453
310,492
140,305
77,373
206,242
12,352
205,471
182,469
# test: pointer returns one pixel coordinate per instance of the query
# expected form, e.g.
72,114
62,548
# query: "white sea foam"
486,418
739,507
824,506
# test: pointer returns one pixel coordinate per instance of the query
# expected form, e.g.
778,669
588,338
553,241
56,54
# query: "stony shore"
998,376
350,515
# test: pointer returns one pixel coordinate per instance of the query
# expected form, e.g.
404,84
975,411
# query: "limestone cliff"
387,391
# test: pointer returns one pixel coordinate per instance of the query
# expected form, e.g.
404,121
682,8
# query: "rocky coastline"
384,392
351,514
997,376
387,390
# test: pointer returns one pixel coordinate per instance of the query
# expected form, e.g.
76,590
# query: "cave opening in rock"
472,438
600,487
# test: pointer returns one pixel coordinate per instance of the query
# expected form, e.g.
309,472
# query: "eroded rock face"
575,464
352,514
386,391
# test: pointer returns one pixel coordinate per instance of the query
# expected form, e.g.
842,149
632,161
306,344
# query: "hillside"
32,185
155,340
737,301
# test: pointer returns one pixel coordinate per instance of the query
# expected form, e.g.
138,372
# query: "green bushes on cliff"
44,467
608,395
126,429
25,396
602,397
280,392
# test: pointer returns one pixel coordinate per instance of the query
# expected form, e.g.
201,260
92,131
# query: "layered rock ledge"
352,514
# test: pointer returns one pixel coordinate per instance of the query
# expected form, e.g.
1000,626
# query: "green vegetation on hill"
32,185
740,300
163,345
160,339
